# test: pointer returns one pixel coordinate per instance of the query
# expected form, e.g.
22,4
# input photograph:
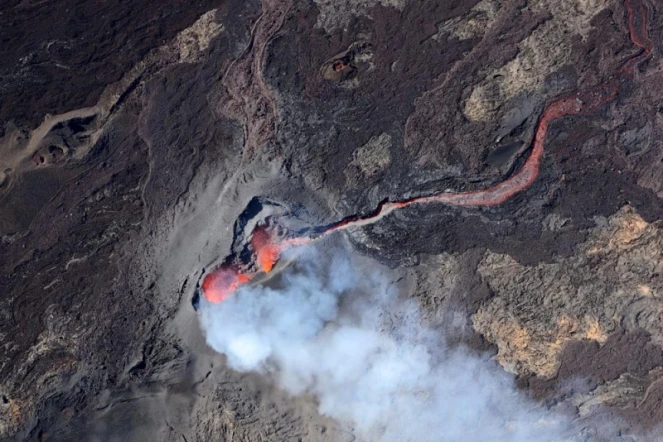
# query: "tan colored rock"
194,40
335,14
11,416
613,280
626,390
545,50
371,158
473,25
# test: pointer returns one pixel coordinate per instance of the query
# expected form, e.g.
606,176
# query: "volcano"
499,160
219,284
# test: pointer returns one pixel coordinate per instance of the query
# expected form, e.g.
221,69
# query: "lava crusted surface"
144,146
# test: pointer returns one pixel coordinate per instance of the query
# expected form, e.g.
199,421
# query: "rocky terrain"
501,159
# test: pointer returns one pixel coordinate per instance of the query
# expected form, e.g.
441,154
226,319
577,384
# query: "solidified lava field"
499,163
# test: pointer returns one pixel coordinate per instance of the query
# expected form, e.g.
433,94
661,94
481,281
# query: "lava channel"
223,281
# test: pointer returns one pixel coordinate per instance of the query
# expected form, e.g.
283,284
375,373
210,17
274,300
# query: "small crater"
47,155
347,64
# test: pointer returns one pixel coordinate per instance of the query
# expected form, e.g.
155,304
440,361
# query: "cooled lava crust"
505,154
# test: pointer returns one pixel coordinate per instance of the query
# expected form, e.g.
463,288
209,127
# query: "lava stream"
220,283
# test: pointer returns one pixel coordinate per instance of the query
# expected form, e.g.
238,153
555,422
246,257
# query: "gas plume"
343,336
367,357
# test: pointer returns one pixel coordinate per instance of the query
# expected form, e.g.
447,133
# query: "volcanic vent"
259,239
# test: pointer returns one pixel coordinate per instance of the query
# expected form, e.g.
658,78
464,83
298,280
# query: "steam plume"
347,339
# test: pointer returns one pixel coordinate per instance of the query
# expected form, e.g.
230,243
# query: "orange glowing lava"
267,253
222,282
219,284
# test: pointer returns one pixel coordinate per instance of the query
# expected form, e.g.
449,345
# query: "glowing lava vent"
265,245
267,253
219,284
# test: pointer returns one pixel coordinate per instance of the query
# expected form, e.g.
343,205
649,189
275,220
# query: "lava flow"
224,280
266,251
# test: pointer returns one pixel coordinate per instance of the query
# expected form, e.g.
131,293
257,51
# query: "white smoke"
347,339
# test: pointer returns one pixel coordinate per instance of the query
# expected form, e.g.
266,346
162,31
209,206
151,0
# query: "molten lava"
225,280
219,284
267,253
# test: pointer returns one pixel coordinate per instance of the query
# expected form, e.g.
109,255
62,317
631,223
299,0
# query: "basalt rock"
145,146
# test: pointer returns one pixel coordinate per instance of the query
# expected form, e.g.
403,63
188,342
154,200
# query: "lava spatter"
266,248
218,285
267,252
222,282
